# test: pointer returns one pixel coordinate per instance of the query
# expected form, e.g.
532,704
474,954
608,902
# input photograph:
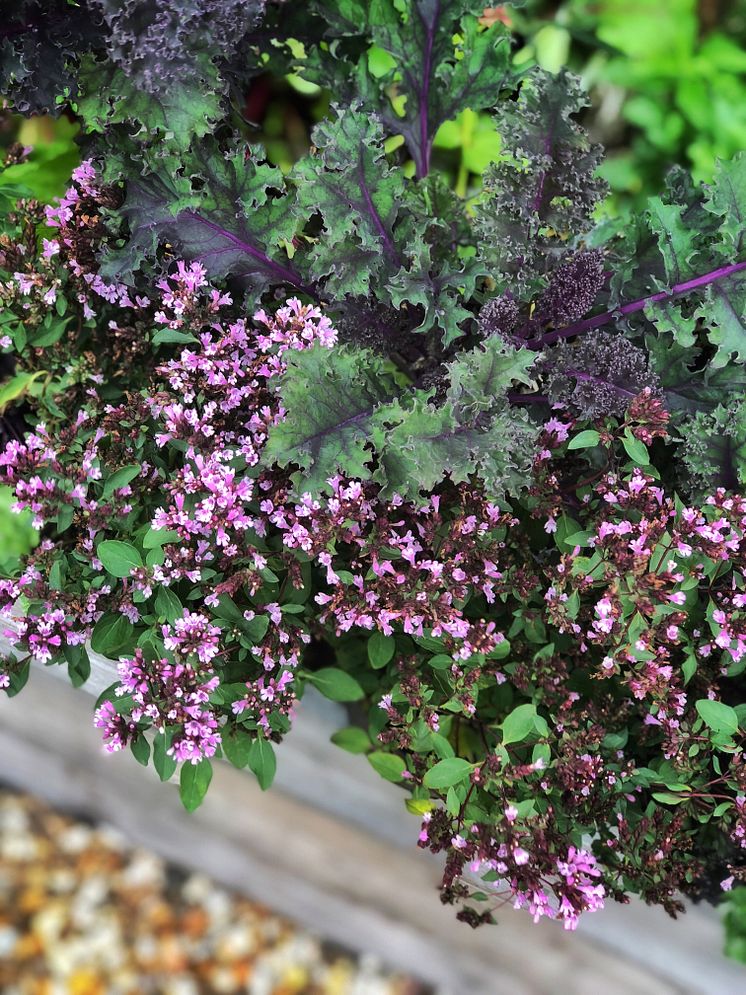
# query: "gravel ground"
83,913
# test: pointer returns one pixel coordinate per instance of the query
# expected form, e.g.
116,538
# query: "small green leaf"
388,765
352,739
118,558
154,538
336,684
717,716
255,628
18,678
636,450
237,746
226,608
164,764
111,634
263,762
65,517
121,478
419,806
380,650
193,783
448,772
57,574
49,333
15,388
167,605
689,667
584,440
163,336
140,748
441,661
519,724
453,802
78,664
668,798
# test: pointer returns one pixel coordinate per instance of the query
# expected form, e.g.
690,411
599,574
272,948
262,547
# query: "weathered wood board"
332,846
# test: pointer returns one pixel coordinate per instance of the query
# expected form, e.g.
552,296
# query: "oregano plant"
472,464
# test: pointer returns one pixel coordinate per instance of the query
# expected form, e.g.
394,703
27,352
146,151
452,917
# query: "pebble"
82,913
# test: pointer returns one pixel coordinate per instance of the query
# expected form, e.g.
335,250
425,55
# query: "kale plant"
482,458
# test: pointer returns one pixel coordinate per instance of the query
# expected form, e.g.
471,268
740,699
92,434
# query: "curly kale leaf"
358,227
350,186
230,212
39,42
474,433
346,414
378,235
714,448
724,311
439,289
331,399
542,191
599,374
441,62
726,200
178,112
157,66
158,44
682,260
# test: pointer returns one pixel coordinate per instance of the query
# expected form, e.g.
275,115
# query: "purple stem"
423,164
602,319
517,398
588,378
380,227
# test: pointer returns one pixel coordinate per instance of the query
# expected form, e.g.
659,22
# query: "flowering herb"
470,469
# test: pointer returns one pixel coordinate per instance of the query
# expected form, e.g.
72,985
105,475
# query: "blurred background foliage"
667,80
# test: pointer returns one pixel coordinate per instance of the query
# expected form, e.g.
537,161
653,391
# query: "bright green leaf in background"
263,762
118,558
717,716
336,684
194,782
447,772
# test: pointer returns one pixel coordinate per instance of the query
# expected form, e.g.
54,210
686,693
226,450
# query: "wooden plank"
332,846
330,876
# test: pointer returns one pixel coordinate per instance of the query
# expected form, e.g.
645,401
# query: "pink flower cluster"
168,696
576,890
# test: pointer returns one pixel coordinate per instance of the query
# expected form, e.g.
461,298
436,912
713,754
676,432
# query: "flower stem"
602,319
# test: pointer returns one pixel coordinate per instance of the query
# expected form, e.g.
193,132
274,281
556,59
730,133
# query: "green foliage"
667,81
118,558
17,535
353,425
735,923
336,684
156,69
263,762
344,408
194,781
434,79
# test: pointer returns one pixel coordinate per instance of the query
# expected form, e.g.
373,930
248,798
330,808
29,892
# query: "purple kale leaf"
599,374
542,191
437,75
230,212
